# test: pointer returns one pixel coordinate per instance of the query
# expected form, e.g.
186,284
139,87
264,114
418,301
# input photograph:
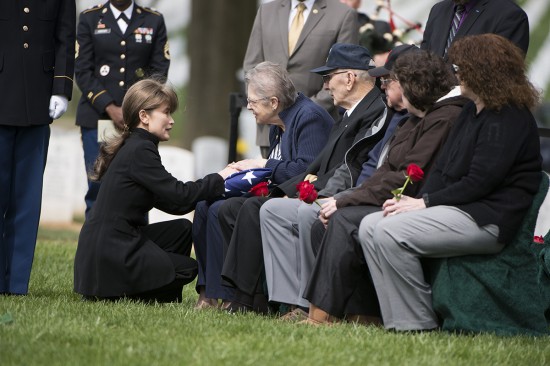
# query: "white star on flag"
249,176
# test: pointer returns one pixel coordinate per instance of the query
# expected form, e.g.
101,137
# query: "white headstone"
210,155
59,191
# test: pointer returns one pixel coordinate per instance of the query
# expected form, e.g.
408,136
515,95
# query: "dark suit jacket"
503,17
36,58
113,257
367,114
328,23
109,62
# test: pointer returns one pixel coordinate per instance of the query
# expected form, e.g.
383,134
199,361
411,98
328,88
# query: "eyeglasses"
327,77
386,81
254,101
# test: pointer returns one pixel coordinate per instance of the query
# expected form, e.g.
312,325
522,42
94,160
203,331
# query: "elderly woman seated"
299,130
476,197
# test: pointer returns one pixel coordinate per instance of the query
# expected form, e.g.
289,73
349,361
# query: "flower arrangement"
260,190
307,192
414,174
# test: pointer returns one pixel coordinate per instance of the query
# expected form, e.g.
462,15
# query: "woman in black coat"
118,255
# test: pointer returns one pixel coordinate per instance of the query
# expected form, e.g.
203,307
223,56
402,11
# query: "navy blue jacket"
307,127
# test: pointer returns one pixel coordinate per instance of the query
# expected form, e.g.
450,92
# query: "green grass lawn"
52,326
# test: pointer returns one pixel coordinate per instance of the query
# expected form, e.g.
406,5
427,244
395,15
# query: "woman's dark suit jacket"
113,257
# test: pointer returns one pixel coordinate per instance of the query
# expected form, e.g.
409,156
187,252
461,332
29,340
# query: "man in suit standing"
298,34
118,43
36,71
450,19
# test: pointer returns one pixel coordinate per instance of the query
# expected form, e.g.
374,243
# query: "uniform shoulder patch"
151,10
94,8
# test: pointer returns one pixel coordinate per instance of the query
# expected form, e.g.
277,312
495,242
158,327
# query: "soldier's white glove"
58,106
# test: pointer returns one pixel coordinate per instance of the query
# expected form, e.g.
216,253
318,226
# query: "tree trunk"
218,36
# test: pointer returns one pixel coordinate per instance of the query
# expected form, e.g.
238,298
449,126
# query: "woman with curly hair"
474,200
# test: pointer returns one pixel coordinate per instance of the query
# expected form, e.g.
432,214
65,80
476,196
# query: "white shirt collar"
455,92
350,111
293,4
307,3
127,12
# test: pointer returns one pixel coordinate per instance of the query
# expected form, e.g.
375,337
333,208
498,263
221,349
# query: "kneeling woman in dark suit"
118,254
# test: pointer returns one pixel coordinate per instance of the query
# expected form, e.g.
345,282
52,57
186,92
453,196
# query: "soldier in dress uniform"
118,43
36,71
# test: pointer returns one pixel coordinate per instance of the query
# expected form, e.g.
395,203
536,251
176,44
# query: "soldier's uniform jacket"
36,58
109,62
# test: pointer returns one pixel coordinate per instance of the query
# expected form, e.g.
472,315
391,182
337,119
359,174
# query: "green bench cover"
507,293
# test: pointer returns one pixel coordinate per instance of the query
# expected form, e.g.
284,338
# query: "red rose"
260,190
415,172
307,192
538,239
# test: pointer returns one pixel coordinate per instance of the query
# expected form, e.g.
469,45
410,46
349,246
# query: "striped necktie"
454,26
296,27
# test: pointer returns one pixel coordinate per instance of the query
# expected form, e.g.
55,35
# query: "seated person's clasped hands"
393,206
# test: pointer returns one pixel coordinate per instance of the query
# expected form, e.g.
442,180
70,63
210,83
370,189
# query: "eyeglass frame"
386,81
255,101
327,77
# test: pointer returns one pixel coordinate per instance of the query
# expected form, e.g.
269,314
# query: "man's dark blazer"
36,58
109,62
502,17
365,116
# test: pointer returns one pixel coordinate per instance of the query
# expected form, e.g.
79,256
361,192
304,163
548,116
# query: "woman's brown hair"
494,69
147,95
424,78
